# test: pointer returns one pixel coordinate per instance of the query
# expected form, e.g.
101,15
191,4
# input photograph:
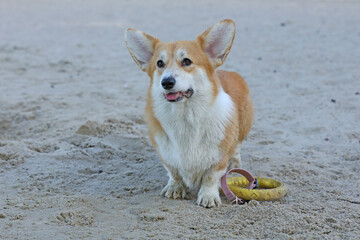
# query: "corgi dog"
197,116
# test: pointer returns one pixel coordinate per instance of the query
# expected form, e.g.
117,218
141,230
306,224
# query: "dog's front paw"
174,190
208,198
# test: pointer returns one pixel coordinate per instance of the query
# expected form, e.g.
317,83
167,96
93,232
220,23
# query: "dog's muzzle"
178,96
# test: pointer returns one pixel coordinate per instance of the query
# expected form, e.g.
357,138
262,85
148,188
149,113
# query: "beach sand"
75,159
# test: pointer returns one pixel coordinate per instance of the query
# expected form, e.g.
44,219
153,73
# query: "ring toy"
268,189
242,189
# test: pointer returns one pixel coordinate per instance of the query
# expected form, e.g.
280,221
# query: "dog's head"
179,70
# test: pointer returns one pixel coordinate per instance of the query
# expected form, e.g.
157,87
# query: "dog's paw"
174,190
208,198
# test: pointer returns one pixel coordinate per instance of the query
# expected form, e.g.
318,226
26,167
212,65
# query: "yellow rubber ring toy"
268,189
241,189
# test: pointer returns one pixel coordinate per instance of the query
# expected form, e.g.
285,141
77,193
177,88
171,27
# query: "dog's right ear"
141,46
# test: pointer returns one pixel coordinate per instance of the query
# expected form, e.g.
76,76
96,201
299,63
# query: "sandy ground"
75,160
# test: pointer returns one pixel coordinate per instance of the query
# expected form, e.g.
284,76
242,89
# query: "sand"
75,159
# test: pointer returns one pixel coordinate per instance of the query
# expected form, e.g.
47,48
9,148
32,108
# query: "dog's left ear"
217,40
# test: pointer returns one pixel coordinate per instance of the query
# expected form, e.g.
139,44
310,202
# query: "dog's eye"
160,64
186,62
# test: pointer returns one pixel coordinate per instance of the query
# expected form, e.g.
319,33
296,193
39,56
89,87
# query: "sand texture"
75,159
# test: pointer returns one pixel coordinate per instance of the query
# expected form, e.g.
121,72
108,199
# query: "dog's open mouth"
178,96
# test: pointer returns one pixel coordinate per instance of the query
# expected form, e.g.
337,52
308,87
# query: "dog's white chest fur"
193,133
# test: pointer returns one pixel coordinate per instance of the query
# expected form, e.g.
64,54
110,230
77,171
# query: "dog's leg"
235,160
208,195
175,188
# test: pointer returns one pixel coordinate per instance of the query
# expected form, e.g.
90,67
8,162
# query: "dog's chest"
191,145
191,142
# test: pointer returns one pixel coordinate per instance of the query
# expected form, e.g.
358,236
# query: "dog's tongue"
173,96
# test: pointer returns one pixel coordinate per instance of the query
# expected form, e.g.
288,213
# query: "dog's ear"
141,46
217,40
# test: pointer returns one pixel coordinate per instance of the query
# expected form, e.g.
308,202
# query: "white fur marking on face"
180,53
163,56
183,79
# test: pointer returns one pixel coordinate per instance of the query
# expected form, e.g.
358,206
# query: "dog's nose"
168,82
